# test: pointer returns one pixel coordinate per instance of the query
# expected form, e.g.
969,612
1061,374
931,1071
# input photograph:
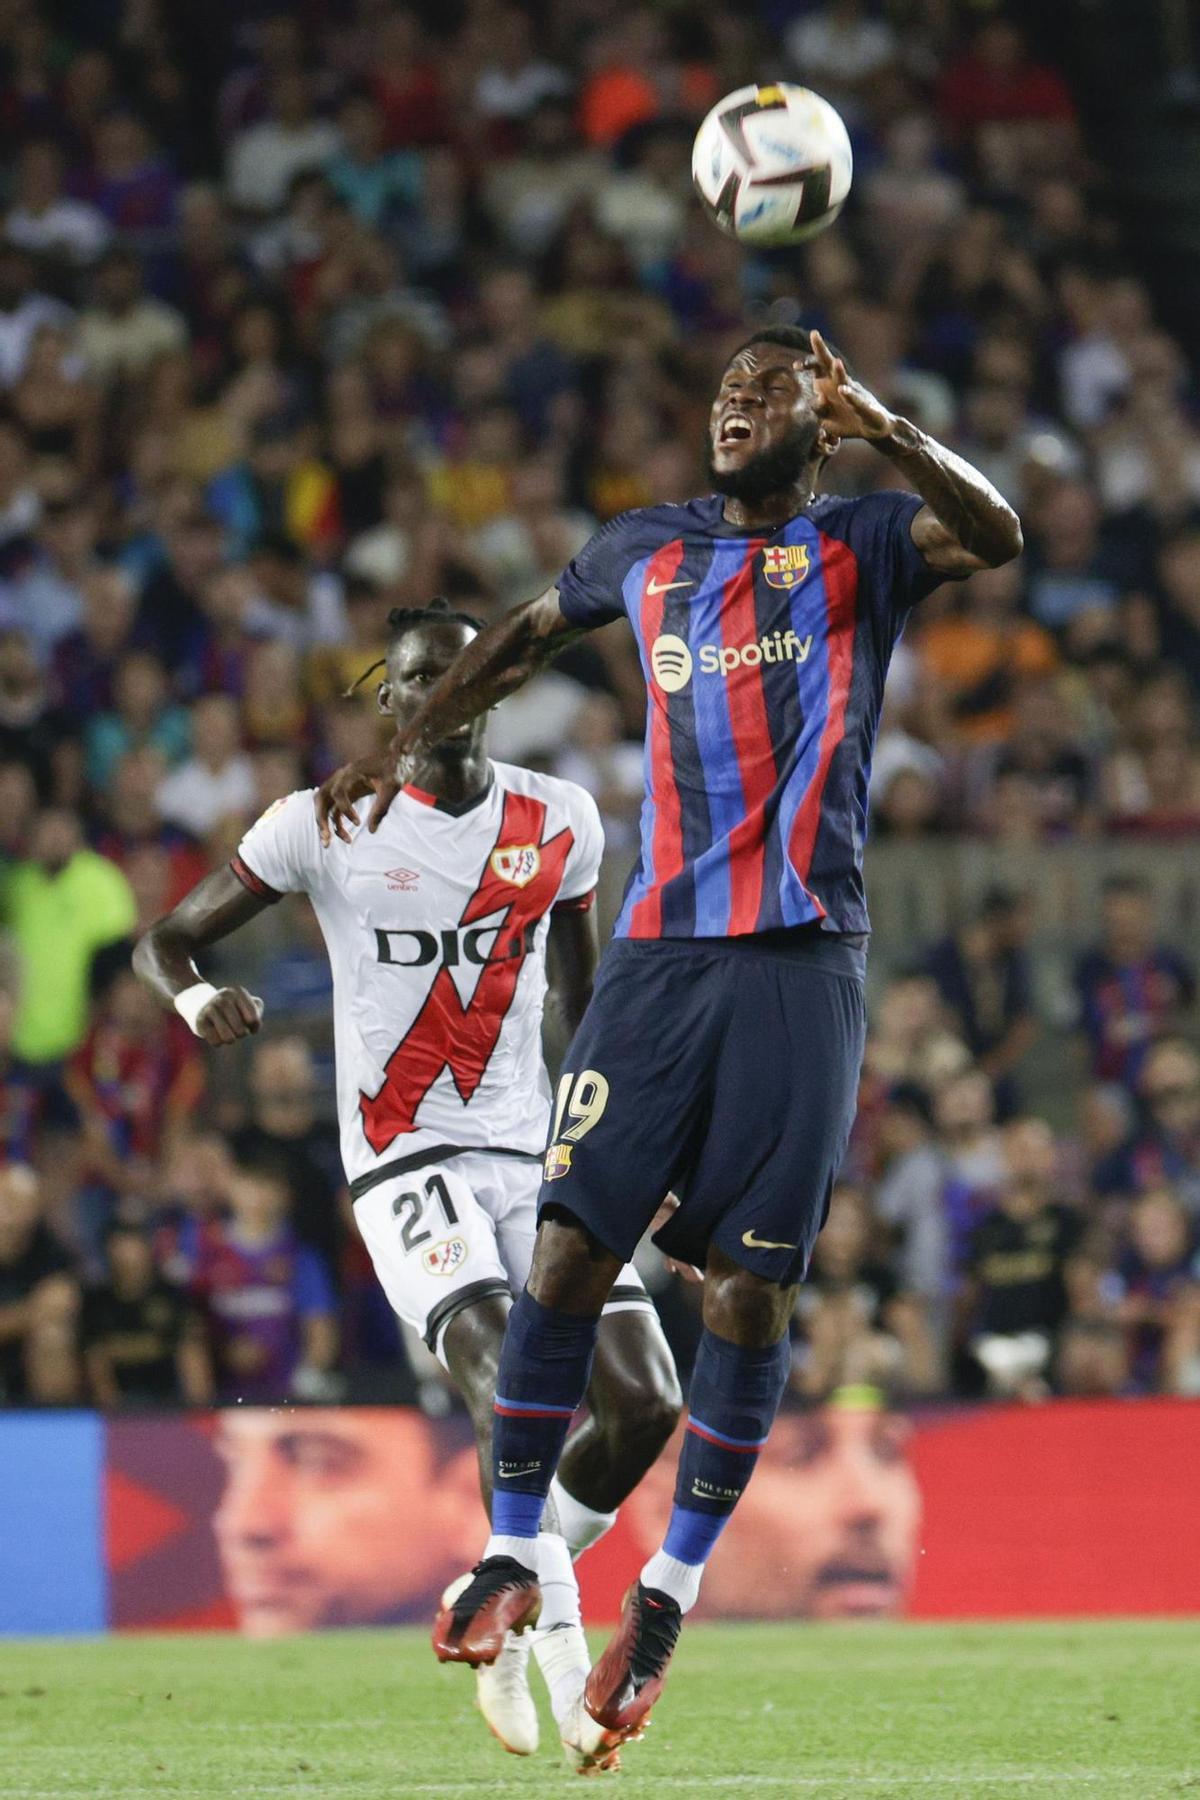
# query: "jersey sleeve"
892,571
281,852
582,869
590,588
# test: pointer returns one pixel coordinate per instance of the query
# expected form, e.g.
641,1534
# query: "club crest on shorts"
444,1258
557,1161
785,565
517,863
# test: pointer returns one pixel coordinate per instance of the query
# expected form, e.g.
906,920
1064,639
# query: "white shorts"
450,1233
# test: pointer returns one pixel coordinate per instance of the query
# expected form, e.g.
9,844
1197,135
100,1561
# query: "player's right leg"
434,1250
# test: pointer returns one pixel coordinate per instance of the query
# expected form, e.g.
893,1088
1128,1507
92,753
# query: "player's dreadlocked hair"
403,619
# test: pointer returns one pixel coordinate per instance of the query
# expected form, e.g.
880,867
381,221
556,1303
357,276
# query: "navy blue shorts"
726,1071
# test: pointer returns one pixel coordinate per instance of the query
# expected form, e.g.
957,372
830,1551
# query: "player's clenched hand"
232,1013
844,405
336,796
685,1271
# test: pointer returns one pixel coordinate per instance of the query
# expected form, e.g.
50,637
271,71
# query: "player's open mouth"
735,428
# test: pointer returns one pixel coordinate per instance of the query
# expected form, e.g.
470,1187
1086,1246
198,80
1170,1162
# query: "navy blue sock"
732,1403
545,1363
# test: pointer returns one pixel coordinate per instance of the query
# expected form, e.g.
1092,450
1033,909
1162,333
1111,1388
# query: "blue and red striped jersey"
765,657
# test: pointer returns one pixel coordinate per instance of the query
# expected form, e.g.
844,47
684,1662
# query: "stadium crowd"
421,299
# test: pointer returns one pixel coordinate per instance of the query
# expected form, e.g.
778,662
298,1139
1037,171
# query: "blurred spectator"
39,1299
984,980
142,1345
62,905
134,1082
1157,1293
124,329
43,218
24,311
217,780
1132,988
284,1125
1016,1262
858,1326
266,1298
909,1196
1165,1147
264,158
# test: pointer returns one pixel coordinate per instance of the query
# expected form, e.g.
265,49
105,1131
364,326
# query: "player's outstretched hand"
232,1013
848,408
685,1271
335,798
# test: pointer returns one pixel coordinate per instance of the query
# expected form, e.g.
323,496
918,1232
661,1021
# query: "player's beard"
772,471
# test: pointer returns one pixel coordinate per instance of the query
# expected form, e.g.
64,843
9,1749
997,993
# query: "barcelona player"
720,1053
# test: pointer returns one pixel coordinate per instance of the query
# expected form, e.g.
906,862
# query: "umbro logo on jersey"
666,587
403,881
672,663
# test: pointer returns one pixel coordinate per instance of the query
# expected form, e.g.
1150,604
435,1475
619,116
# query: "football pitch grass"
827,1713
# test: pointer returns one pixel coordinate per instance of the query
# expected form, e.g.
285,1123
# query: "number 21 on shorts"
581,1100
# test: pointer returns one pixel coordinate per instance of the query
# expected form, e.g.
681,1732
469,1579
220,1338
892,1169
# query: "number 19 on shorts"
579,1105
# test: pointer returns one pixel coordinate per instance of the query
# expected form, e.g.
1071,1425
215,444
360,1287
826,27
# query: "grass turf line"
953,1712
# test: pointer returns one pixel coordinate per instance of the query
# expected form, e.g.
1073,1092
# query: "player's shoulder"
553,790
644,527
836,514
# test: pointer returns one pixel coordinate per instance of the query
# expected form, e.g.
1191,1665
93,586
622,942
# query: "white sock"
556,1578
522,1550
670,1576
581,1526
562,1656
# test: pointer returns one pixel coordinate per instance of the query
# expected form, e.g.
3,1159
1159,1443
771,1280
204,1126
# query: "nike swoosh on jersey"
756,1243
664,587
513,1474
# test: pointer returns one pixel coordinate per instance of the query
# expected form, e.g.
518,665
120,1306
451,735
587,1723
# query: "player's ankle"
581,1525
680,1581
523,1550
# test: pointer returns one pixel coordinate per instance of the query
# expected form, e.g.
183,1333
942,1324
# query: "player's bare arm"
164,958
502,658
966,523
573,950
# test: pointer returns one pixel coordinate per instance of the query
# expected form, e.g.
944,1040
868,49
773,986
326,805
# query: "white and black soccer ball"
773,164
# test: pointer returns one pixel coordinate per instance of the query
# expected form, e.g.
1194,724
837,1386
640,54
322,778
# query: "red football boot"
629,1677
502,1596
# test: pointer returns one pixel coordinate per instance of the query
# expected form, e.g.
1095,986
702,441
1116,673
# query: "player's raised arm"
163,959
966,523
493,665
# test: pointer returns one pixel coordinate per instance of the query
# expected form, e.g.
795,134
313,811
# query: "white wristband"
193,1000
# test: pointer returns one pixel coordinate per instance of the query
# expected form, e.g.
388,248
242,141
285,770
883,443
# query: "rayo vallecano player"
439,929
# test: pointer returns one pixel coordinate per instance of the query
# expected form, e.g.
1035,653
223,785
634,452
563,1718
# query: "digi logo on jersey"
407,948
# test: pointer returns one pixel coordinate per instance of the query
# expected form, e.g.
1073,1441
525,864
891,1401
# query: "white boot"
562,1655
504,1699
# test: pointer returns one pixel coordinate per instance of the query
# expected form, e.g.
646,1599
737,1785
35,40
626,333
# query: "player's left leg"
783,1102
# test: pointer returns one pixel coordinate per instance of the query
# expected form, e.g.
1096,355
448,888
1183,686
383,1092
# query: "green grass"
958,1712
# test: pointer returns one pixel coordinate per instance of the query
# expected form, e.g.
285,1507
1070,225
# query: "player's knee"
572,1271
742,1307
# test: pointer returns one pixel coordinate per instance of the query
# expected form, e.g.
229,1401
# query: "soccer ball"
772,164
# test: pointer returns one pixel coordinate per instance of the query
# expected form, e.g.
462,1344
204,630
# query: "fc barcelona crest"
518,863
785,565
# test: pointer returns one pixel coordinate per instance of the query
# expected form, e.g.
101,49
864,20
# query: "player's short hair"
403,619
788,337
